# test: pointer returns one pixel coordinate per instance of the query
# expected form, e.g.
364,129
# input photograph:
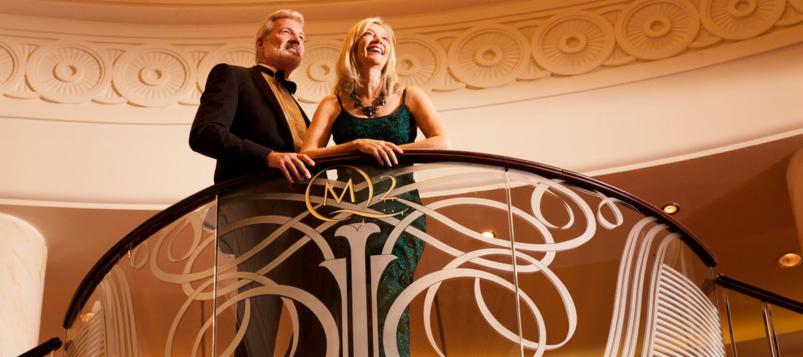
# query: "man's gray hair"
267,25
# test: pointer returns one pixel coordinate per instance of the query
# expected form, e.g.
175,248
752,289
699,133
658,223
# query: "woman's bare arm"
428,121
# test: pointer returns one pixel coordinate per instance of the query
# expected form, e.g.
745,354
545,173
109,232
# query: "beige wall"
148,165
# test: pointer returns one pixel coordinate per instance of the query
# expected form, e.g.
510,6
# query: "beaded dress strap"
340,103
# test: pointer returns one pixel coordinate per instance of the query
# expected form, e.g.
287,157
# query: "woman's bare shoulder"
329,99
329,104
415,93
415,96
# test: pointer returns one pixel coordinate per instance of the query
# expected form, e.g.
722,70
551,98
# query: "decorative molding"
421,62
573,43
152,76
10,66
656,29
67,72
557,43
318,68
488,56
739,20
16,86
232,54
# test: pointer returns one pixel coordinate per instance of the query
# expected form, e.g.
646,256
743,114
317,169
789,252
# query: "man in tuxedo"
249,121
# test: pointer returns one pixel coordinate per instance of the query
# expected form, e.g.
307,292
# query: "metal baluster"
769,328
730,321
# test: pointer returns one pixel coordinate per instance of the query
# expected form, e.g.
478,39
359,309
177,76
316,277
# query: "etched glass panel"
464,282
363,261
598,277
157,300
749,330
432,259
268,274
789,331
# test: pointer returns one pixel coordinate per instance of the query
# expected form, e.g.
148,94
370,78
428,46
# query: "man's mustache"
292,45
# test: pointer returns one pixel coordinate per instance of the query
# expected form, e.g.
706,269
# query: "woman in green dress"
366,95
370,112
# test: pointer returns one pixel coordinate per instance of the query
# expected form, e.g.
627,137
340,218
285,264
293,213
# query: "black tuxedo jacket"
239,122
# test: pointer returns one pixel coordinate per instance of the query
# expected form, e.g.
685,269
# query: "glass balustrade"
759,323
788,326
157,299
449,254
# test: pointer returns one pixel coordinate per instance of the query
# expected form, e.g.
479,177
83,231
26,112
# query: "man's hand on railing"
291,164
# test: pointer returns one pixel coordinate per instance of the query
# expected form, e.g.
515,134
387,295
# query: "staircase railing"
450,252
782,319
45,348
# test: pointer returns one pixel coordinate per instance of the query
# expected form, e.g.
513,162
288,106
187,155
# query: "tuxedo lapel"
291,114
303,114
264,89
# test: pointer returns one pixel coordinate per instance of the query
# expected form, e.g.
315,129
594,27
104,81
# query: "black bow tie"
280,77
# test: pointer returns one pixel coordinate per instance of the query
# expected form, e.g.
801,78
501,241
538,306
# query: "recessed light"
789,260
488,234
85,317
671,208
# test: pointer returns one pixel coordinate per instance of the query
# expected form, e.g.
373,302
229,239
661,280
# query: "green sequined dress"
398,127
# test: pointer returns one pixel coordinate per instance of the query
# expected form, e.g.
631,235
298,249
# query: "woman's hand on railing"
384,151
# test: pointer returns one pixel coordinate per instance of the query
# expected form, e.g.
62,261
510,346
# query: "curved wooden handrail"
187,205
44,349
759,293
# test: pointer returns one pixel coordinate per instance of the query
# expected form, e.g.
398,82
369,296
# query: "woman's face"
373,47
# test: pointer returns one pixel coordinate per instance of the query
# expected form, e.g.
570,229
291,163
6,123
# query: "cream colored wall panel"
103,114
98,165
604,130
634,124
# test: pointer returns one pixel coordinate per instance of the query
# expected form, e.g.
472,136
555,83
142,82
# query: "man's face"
283,47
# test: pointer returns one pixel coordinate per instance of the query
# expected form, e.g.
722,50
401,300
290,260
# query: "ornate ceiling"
592,44
242,11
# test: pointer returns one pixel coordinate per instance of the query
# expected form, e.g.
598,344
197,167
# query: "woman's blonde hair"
348,73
